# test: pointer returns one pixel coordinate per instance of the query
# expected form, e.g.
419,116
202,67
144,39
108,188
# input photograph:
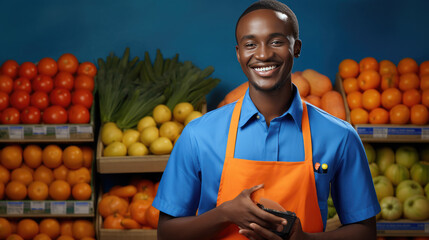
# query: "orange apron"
291,184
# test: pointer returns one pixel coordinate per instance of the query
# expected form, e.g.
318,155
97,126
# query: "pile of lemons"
155,134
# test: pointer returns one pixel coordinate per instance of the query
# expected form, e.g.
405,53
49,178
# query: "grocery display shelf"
402,228
47,133
29,208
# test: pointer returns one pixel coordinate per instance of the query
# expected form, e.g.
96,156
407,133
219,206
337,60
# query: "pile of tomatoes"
50,92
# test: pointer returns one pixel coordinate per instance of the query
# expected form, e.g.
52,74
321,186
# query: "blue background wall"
203,31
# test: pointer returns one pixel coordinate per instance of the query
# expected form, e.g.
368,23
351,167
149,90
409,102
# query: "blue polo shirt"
192,176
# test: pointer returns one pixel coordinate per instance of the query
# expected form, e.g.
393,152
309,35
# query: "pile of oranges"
130,206
36,173
46,229
383,93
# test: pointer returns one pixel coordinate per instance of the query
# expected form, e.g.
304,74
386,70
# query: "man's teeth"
264,69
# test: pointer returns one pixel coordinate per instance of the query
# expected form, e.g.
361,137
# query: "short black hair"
276,6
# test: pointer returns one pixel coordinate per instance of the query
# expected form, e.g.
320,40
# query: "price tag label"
58,208
62,132
39,130
37,206
16,132
380,132
425,134
84,129
81,207
15,208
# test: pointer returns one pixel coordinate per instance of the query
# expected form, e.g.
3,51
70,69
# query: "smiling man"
268,144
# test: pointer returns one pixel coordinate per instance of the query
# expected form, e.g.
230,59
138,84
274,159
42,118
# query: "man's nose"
263,52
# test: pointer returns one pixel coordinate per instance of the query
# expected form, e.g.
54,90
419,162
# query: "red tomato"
61,97
43,83
6,84
64,80
4,100
47,66
10,116
84,82
87,68
68,63
83,97
55,115
22,83
39,100
19,99
28,70
10,68
30,115
78,114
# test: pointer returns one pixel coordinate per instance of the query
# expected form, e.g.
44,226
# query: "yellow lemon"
182,110
169,130
111,133
181,126
130,136
115,149
161,114
137,149
148,135
161,145
145,122
192,116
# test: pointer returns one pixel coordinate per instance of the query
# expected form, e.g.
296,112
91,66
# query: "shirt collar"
249,110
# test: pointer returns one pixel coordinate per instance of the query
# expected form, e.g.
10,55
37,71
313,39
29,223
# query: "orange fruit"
399,114
16,190
354,100
50,227
5,228
43,174
390,98
11,156
368,63
424,68
21,175
419,114
81,191
83,228
371,99
4,174
51,156
25,166
314,100
359,116
88,155
42,236
14,236
2,189
368,80
138,210
73,157
59,190
411,97
387,67
350,85
112,204
38,190
145,186
81,175
300,82
389,81
424,82
60,173
378,116
152,215
425,97
64,237
408,65
66,228
113,221
27,228
32,155
348,68
409,81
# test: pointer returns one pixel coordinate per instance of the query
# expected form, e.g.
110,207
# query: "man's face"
266,48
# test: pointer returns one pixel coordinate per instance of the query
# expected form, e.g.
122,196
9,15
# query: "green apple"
385,156
420,172
416,208
370,152
373,167
391,208
397,173
406,156
408,188
383,187
427,190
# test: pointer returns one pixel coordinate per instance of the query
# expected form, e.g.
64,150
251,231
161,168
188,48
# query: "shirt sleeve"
352,188
179,189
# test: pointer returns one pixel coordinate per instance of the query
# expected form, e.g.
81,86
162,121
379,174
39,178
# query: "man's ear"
297,48
236,52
